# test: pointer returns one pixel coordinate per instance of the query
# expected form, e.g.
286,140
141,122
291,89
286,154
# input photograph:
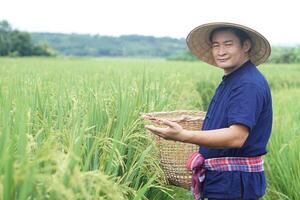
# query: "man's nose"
221,51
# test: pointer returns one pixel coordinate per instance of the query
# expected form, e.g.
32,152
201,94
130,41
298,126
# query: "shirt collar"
237,71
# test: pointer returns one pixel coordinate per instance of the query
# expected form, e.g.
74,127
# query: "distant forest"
123,46
138,46
19,43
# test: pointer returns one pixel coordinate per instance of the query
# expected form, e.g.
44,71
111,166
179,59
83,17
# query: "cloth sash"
198,164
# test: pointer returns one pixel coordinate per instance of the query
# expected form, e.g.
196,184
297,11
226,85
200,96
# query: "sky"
277,20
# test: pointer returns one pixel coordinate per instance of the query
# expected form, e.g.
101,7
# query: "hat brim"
199,44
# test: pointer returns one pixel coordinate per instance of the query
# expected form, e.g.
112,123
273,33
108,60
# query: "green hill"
123,46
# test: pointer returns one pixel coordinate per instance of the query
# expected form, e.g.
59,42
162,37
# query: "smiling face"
228,51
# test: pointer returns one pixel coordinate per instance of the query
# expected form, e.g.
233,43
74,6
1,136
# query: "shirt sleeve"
245,105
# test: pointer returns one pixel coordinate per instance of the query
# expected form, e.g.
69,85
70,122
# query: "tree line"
122,46
140,46
19,43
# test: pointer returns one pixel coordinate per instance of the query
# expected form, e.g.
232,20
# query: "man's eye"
228,44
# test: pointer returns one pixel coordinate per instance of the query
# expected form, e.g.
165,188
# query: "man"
238,122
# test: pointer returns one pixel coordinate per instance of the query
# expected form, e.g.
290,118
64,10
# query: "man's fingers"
151,118
169,123
157,131
153,128
146,116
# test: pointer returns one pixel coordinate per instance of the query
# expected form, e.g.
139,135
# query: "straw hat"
199,44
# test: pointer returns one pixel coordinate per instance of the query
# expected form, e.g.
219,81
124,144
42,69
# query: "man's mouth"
222,60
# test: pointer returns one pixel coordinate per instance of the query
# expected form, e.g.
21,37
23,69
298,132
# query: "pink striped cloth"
198,164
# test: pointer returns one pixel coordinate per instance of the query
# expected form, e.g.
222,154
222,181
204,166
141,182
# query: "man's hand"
173,132
231,137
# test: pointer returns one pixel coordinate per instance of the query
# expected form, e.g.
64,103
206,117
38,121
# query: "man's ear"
247,46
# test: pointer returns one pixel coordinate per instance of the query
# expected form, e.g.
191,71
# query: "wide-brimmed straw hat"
199,43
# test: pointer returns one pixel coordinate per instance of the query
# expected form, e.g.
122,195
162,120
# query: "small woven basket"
173,155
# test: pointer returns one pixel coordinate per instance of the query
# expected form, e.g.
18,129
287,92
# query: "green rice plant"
282,162
66,134
70,127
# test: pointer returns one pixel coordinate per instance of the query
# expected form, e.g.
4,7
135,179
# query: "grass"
70,127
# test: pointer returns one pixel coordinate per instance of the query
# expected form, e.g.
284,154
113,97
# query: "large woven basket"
173,155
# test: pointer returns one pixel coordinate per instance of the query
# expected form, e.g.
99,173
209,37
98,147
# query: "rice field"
70,127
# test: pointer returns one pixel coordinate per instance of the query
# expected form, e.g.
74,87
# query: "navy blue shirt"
243,97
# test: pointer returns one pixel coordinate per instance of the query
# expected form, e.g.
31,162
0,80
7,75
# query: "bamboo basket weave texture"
173,155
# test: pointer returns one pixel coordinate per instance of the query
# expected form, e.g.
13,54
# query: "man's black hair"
242,35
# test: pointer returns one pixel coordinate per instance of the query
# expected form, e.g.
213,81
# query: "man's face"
228,52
